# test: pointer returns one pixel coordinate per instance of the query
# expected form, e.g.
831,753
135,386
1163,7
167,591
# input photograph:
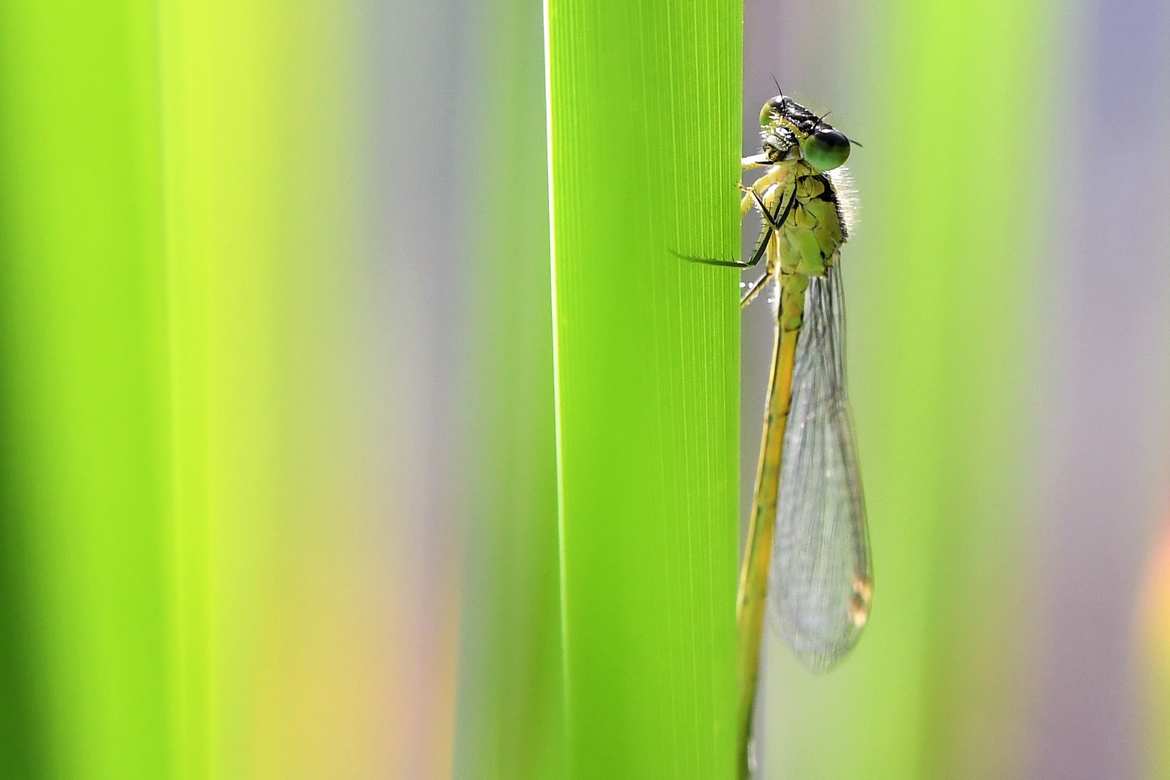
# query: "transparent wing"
821,578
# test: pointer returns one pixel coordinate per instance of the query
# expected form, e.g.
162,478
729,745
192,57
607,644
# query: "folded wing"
821,573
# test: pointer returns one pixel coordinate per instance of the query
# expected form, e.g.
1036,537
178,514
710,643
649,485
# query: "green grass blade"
269,609
82,320
644,107
509,704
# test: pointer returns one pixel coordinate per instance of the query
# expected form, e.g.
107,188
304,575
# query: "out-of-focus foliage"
276,371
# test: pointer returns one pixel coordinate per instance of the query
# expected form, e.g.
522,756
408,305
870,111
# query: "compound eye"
825,150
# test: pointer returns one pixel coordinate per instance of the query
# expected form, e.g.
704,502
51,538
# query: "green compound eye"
825,150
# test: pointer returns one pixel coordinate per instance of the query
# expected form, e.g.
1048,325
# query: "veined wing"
821,576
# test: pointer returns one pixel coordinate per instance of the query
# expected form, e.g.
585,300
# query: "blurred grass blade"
272,608
509,703
82,297
644,128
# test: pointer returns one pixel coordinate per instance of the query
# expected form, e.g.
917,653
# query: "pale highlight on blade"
821,579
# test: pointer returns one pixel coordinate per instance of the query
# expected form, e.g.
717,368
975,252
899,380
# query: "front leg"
755,161
774,220
745,203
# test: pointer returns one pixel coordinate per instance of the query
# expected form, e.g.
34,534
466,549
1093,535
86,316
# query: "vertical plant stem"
82,324
644,132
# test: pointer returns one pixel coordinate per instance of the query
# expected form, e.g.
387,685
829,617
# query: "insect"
807,522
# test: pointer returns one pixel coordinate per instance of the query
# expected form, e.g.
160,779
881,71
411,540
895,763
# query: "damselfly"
807,520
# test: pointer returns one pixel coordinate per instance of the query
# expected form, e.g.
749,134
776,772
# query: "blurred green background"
278,444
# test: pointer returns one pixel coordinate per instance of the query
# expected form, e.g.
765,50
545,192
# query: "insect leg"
771,222
755,161
761,247
775,221
754,290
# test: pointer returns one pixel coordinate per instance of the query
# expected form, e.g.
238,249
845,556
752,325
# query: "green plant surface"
222,146
266,560
82,324
644,106
509,705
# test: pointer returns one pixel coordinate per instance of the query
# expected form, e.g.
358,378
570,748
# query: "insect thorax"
815,228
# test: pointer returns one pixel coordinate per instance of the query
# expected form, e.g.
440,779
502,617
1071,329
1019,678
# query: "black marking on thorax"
829,195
